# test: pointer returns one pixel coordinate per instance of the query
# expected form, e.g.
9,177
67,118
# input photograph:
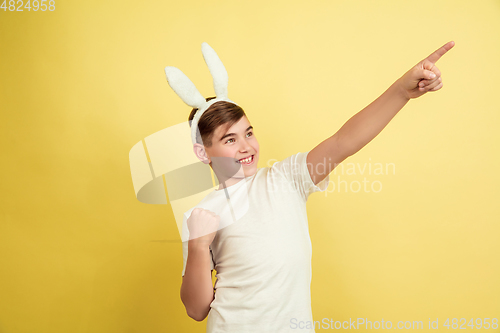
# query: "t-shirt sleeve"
295,172
185,243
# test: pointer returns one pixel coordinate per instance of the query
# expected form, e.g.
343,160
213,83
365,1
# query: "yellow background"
82,84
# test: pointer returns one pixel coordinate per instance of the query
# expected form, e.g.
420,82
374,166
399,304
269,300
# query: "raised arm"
365,125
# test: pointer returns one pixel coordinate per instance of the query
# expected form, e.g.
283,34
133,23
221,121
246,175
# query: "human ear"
200,152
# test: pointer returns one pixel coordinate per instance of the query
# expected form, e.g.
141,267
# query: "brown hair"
219,113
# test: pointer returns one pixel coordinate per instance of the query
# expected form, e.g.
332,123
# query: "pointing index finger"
434,57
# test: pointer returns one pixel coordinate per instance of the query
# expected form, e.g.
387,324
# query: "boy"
263,259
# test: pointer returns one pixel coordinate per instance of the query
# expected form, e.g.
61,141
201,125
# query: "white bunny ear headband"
187,91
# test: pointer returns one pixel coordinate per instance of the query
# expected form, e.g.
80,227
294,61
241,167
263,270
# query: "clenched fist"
203,225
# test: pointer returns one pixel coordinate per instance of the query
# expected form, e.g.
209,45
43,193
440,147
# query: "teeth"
247,160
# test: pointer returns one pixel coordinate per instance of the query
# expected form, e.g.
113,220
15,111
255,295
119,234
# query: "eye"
247,134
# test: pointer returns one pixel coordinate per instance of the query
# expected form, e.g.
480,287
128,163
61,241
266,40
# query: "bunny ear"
183,87
217,70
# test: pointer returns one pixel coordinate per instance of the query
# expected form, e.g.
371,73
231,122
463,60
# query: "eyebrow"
231,134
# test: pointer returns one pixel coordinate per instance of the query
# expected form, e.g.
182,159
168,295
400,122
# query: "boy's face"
229,147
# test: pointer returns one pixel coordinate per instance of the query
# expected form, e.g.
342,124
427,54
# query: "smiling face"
228,148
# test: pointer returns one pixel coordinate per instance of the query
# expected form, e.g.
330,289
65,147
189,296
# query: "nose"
245,147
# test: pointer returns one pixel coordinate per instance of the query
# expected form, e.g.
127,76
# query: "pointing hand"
424,76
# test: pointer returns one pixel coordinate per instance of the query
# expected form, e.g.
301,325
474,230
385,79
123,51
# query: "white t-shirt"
263,259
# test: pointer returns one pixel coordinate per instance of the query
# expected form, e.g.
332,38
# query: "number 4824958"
19,6
480,323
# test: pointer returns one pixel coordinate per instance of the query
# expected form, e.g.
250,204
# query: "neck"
229,182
